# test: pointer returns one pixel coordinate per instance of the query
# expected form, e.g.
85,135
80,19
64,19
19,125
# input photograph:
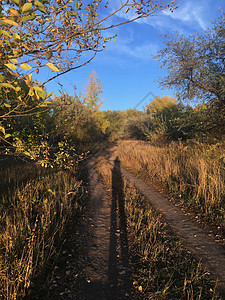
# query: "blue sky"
126,68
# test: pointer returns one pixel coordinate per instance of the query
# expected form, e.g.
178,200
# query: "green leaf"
16,1
8,22
7,85
11,66
2,78
6,33
27,18
7,135
49,94
40,6
25,67
27,7
52,67
18,89
41,93
16,36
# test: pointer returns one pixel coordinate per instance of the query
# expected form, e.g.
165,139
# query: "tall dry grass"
161,267
196,173
34,208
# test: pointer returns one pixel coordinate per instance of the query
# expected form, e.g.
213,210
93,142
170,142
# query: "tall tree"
93,90
60,35
196,64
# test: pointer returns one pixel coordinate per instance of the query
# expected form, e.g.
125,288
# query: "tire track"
201,245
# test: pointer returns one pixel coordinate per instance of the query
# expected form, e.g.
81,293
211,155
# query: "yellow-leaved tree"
57,35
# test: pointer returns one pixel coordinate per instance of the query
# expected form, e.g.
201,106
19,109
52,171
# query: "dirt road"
105,254
107,268
107,272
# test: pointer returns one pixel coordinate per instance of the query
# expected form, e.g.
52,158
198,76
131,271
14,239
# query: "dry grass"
161,267
195,173
35,205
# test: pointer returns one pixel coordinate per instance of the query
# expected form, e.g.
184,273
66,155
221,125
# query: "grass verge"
195,174
161,267
34,208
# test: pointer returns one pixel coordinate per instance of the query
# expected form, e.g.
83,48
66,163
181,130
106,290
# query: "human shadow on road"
119,272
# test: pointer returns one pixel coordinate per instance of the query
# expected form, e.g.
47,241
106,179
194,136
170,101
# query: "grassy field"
195,174
161,267
34,208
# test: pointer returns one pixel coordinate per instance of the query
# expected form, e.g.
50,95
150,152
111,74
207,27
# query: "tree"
74,121
92,92
196,64
79,118
160,104
59,35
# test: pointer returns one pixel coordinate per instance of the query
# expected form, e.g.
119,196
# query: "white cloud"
190,16
189,12
126,47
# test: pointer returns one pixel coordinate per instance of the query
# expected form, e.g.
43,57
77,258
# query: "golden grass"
161,267
33,216
196,173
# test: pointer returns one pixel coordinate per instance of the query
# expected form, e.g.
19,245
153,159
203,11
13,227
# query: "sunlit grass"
194,173
35,206
161,267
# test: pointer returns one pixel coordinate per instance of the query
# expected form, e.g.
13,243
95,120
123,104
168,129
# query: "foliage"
34,209
195,172
115,120
79,118
159,105
138,125
91,93
74,120
53,34
195,64
161,267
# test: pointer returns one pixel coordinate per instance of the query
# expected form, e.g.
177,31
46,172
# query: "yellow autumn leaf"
9,22
13,60
52,67
25,67
14,12
11,66
27,7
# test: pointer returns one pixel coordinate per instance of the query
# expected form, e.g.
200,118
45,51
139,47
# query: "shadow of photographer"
118,235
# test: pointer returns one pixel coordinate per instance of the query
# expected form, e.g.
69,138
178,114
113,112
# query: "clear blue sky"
126,68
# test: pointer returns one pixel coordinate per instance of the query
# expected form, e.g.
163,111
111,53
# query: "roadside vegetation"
36,204
44,137
161,267
194,173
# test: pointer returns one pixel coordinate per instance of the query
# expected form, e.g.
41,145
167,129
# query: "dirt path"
107,267
203,246
107,272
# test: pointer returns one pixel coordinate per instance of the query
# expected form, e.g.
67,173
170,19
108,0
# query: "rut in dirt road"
107,268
